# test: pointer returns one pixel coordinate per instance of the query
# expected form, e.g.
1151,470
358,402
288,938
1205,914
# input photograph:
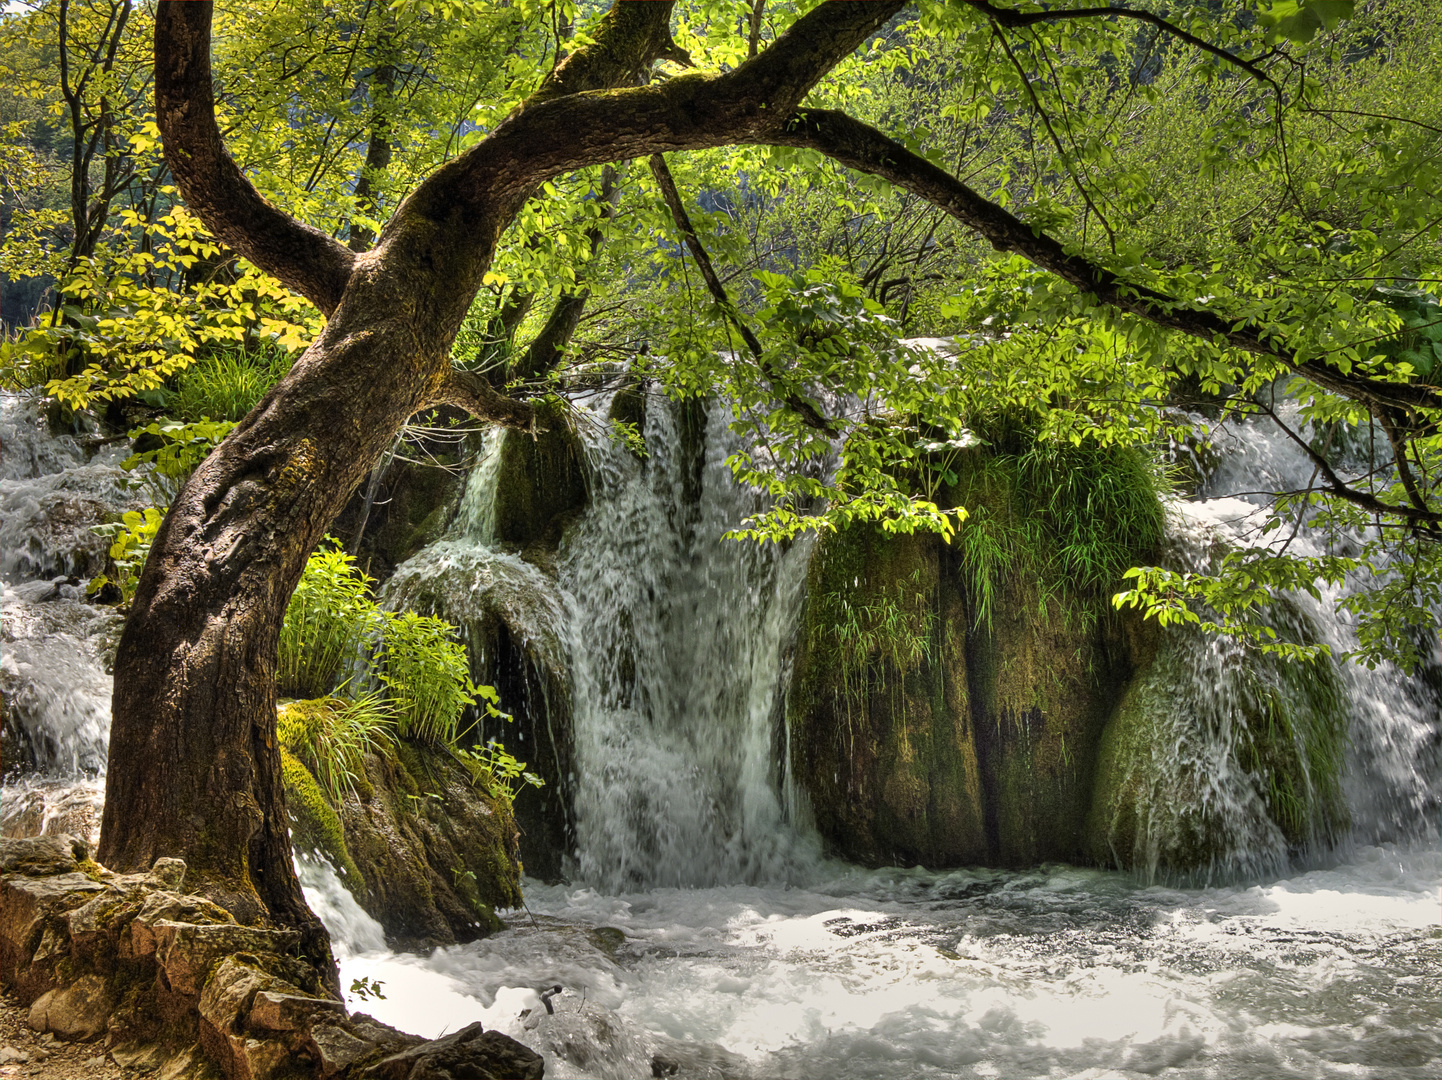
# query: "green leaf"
1300,20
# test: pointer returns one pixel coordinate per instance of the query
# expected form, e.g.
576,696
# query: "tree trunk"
194,764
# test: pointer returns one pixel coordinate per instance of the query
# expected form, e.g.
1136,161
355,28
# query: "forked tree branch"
1013,19
304,258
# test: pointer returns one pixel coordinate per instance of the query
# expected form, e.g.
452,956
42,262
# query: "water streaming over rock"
679,642
770,961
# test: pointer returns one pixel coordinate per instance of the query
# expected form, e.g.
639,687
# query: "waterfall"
54,646
1206,695
680,644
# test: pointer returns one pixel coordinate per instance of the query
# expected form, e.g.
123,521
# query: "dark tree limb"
302,257
798,404
1336,486
1013,19
473,393
861,147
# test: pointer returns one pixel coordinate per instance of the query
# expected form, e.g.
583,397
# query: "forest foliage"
1271,164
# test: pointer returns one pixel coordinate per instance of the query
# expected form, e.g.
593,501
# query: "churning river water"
703,934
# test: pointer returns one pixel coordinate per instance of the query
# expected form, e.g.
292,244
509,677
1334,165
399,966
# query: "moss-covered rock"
1219,760
881,733
426,852
540,484
509,612
948,698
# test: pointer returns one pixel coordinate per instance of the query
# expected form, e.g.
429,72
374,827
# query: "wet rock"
470,1054
435,854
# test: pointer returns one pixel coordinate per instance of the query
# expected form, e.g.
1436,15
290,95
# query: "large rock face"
425,851
923,735
177,988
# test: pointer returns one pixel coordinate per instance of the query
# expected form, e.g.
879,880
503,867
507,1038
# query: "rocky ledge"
177,989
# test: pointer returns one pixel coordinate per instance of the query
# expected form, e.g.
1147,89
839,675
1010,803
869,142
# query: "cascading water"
679,643
770,961
53,644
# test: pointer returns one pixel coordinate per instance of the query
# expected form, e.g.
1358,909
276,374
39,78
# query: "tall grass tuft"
1059,522
226,385
331,736
330,615
426,674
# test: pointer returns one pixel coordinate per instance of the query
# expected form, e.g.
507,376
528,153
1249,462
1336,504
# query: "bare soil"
45,1057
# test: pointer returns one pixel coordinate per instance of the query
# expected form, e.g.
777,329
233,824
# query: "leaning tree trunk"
194,765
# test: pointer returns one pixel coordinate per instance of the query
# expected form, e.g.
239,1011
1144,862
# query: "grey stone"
170,871
10,1056
470,1054
273,1011
76,1012
336,1049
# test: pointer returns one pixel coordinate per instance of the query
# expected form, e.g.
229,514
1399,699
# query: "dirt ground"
45,1058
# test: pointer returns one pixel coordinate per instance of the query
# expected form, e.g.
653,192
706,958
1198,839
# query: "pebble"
10,1056
95,1063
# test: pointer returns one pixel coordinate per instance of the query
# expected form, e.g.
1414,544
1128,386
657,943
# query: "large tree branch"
473,393
858,146
553,134
304,258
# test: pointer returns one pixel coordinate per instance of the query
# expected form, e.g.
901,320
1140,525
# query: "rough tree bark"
194,765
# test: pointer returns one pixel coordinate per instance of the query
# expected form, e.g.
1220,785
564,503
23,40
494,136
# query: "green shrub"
227,385
174,452
131,537
425,671
331,737
330,615
497,770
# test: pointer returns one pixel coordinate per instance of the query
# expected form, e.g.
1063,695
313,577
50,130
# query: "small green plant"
497,770
176,449
365,989
227,384
426,675
131,538
329,616
331,737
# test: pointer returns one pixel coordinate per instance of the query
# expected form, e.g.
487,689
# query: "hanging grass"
1054,521
426,675
330,615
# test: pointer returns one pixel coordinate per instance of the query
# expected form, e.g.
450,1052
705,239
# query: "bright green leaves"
131,538
1301,20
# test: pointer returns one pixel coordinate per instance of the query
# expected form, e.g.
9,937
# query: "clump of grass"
226,385
331,737
1055,521
330,615
426,674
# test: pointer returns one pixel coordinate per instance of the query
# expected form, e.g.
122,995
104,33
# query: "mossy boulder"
426,850
1220,759
509,612
882,739
540,484
948,697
